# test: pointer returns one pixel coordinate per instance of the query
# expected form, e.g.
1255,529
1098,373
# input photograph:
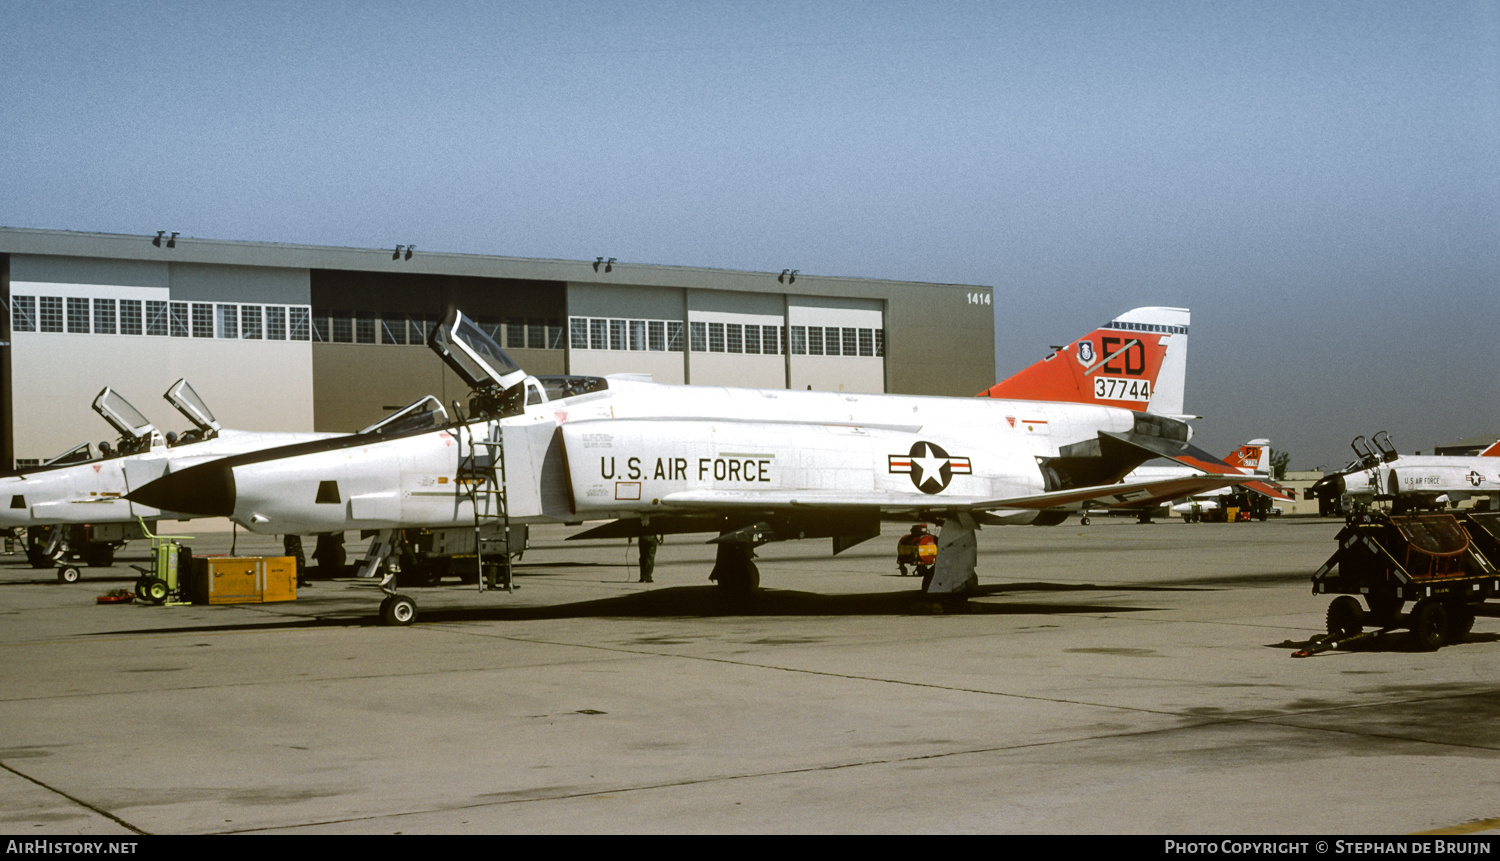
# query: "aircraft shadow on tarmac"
708,602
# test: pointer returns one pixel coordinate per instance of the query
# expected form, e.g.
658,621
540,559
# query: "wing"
1111,494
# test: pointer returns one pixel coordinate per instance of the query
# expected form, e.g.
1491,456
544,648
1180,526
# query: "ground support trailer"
1446,565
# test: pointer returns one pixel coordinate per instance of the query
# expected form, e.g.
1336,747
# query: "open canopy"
121,415
473,355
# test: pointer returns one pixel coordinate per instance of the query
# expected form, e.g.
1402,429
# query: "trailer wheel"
1460,622
398,610
155,591
68,574
1345,617
1429,624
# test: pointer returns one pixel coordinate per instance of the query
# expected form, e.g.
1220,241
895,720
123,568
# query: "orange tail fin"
1137,361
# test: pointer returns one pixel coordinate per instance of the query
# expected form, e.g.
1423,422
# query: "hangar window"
716,337
250,322
597,337
364,327
104,316
752,339
130,317
203,320
392,329
23,313
674,336
299,325
341,327
157,318
51,317
637,334
734,337
617,334
536,334
698,335
798,340
854,343
179,320
275,323
880,342
418,326
578,333
515,334
78,316
656,336
815,340
771,340
229,321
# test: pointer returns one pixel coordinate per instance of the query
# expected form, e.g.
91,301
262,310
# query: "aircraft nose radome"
207,491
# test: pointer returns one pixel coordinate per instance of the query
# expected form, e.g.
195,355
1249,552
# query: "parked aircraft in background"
1252,459
1411,482
87,494
751,465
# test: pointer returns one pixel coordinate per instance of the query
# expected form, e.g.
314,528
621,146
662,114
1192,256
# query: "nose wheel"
398,610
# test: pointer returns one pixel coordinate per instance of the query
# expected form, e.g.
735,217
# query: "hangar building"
296,337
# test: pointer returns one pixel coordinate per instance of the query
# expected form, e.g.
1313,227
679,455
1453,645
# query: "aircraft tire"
1345,616
1084,520
69,574
1429,624
398,610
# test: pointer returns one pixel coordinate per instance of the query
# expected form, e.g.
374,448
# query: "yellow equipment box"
244,579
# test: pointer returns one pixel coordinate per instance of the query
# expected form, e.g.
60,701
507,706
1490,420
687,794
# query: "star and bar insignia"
930,468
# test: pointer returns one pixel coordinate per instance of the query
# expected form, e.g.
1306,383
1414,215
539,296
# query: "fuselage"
638,449
1422,479
94,491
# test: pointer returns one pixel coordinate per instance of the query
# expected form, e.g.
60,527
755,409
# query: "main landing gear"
735,571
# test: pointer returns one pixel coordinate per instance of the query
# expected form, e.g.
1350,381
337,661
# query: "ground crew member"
291,545
648,556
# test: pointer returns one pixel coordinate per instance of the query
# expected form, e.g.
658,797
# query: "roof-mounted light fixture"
609,265
171,240
397,255
787,276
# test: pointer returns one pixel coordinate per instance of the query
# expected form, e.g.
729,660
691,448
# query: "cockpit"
137,434
567,386
425,414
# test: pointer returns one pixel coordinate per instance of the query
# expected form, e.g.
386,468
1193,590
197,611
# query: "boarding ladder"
481,474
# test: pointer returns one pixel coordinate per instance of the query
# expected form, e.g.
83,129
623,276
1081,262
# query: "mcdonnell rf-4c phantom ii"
1411,482
751,465
78,490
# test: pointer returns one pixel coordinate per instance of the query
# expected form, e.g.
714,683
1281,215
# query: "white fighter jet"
1411,482
750,465
78,489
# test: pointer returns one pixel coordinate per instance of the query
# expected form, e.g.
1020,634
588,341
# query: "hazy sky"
1318,182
